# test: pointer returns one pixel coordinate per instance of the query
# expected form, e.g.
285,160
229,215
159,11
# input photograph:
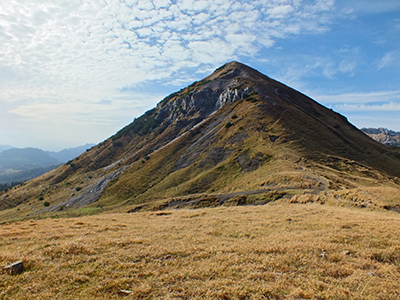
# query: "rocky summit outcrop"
235,132
201,104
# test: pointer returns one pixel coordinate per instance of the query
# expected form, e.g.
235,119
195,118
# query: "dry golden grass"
275,251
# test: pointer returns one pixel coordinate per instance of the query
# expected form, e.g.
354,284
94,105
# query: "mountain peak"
236,130
233,65
235,69
228,83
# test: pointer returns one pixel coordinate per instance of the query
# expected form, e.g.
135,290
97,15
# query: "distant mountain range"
17,165
383,135
25,159
67,154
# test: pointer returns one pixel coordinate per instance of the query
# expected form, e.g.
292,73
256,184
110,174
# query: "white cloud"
54,52
213,51
161,3
65,43
200,18
389,59
324,5
346,66
200,5
280,11
145,5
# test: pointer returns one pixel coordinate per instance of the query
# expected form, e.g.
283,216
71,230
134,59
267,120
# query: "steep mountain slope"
15,177
235,132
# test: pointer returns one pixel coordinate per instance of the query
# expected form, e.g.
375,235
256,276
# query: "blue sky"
76,71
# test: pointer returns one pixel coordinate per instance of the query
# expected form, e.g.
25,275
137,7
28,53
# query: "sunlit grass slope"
275,251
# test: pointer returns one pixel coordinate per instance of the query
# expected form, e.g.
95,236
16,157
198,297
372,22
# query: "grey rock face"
199,104
229,96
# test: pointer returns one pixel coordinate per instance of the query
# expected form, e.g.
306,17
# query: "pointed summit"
237,69
235,131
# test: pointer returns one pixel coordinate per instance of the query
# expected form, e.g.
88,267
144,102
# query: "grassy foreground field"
275,251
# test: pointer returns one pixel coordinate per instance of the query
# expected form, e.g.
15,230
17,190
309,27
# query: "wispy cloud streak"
360,98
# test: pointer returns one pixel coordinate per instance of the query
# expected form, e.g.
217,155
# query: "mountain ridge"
5,147
235,131
383,135
67,154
